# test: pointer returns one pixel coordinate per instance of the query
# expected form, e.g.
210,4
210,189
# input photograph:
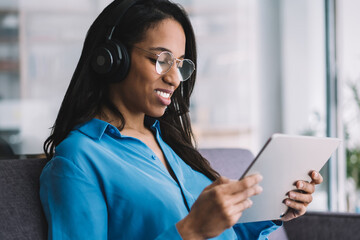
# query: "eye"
163,62
152,60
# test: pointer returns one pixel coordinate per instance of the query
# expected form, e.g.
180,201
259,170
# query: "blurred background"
264,66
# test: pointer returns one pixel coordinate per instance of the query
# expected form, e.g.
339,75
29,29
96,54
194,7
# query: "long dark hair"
87,95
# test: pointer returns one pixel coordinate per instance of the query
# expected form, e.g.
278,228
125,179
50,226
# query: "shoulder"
83,139
73,158
82,149
75,144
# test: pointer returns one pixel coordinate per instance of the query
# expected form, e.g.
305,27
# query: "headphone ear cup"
123,68
111,61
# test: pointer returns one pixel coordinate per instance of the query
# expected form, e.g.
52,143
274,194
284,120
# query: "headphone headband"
117,14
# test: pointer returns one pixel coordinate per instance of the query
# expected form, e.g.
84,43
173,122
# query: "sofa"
22,217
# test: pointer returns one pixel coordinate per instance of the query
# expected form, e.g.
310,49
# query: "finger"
237,209
300,197
241,206
316,177
290,214
228,200
300,208
246,194
305,186
245,183
234,187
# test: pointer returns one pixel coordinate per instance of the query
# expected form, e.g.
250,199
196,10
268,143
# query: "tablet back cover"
283,160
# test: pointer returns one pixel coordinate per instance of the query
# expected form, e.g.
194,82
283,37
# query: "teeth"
163,94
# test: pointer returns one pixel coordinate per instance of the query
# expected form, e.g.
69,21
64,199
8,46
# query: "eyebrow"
161,49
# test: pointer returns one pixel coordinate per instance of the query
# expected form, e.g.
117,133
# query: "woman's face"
144,91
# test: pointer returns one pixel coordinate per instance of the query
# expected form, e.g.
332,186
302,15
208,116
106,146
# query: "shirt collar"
152,123
94,128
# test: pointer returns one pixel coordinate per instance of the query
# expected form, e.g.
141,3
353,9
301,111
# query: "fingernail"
316,174
292,195
301,185
250,202
260,178
259,189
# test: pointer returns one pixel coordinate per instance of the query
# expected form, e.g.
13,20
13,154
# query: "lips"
164,96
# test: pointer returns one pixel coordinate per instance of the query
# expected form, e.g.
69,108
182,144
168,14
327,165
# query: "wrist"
187,231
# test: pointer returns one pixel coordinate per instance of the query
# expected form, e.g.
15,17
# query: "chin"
157,113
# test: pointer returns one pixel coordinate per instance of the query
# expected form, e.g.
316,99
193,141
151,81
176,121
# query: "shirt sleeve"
74,207
256,230
171,233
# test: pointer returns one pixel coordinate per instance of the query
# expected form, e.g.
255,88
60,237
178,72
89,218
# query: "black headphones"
111,59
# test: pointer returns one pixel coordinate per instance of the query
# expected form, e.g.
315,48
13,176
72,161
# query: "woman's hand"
299,199
219,207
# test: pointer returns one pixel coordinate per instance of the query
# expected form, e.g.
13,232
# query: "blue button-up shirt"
104,185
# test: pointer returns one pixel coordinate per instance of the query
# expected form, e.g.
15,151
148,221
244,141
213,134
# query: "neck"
134,122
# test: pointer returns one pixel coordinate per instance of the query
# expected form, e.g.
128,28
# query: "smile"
163,94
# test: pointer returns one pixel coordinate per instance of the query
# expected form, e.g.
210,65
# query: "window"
348,38
221,108
40,43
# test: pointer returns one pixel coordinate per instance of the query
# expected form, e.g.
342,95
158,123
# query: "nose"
172,77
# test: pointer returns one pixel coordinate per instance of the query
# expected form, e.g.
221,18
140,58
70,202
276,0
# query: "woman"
122,163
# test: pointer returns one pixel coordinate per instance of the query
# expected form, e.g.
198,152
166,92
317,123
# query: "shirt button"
153,157
112,131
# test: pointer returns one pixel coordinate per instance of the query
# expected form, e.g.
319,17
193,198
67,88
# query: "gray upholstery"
324,226
229,162
21,215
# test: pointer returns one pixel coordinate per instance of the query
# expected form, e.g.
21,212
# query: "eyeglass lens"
165,61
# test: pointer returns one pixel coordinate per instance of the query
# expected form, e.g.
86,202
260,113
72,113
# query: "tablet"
282,161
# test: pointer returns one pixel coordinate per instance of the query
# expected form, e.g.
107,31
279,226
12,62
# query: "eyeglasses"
165,60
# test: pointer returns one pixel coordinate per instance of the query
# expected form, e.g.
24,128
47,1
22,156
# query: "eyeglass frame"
173,60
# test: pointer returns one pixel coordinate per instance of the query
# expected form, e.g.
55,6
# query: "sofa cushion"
324,226
21,214
229,162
